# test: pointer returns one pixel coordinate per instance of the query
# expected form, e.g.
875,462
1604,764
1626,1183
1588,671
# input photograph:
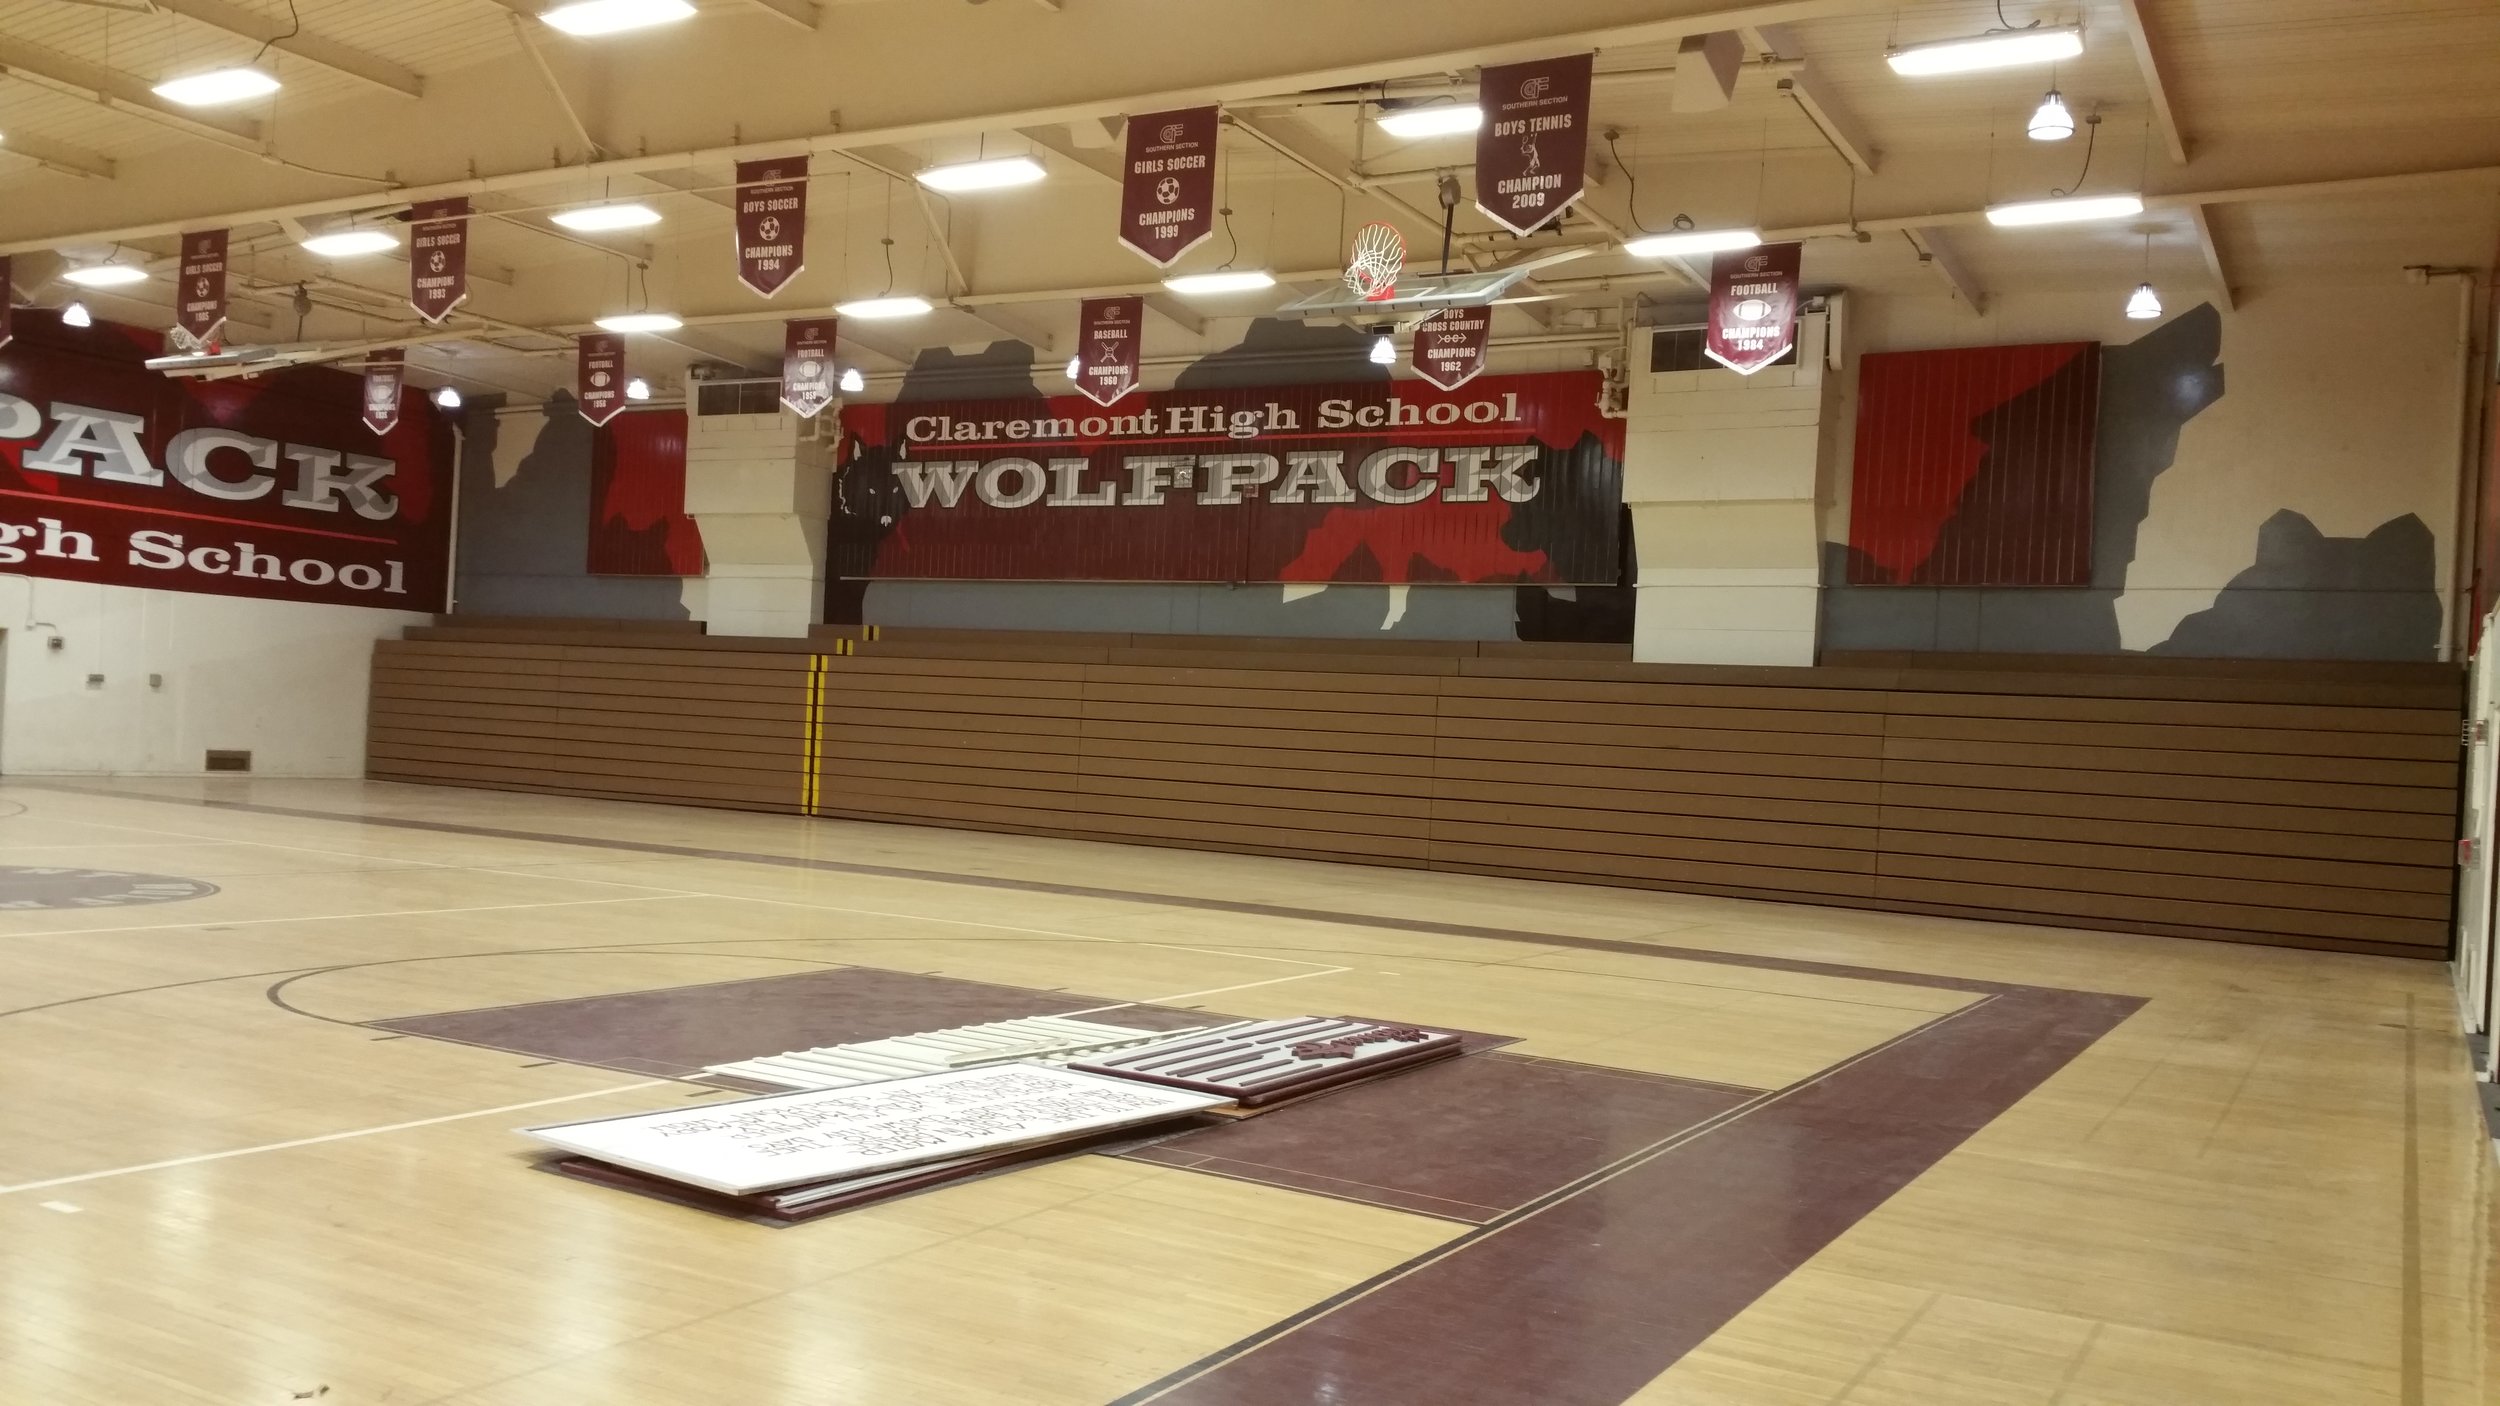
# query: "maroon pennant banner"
1107,347
1532,152
200,297
7,305
1753,306
807,373
1167,187
772,222
1450,345
601,379
438,258
386,372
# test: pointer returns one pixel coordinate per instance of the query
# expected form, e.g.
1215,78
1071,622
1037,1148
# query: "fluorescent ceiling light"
1221,281
598,217
2066,210
347,243
105,275
898,305
590,18
1438,120
2145,304
1700,241
641,322
226,85
2052,121
983,175
2003,48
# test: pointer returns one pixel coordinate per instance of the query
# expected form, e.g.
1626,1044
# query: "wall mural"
525,512
2305,595
638,521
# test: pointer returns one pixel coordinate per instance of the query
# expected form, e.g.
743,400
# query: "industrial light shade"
637,389
852,382
105,275
640,322
348,243
982,175
591,218
1438,120
2051,121
1221,281
1076,367
2002,48
1384,351
889,307
2144,304
1698,241
447,397
218,88
2067,210
76,315
588,19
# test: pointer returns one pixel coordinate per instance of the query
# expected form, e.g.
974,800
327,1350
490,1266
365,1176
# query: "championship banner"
438,258
269,486
1532,152
600,377
8,305
807,375
385,373
1167,187
1753,306
1520,479
771,222
200,295
1107,347
1450,345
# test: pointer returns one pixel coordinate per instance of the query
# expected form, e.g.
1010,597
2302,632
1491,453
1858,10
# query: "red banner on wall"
1450,345
599,376
1753,306
1532,151
386,379
200,294
269,486
638,520
1167,188
1107,349
771,222
8,303
438,257
1519,479
807,374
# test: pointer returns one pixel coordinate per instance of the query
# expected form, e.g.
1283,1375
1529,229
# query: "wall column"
761,487
1723,475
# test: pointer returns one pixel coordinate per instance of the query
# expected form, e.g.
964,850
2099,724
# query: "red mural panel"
268,486
1974,466
638,522
1512,479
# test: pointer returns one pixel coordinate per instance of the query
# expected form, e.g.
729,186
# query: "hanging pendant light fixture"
1384,350
2144,304
2052,121
76,315
852,382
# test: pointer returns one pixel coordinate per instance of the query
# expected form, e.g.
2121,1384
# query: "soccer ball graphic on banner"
1379,253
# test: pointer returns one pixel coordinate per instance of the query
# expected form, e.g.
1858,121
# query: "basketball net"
1379,253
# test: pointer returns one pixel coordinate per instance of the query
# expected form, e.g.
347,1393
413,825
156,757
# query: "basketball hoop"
1379,253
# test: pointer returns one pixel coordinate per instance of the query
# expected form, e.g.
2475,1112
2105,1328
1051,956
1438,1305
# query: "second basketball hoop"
1379,253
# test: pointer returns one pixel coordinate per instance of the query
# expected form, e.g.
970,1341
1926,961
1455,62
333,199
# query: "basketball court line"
193,1161
344,917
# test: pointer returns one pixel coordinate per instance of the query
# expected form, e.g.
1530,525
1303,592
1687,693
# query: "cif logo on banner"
1756,263
1535,88
1171,132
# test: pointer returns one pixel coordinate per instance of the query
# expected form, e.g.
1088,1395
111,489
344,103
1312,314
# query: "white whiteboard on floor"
760,1144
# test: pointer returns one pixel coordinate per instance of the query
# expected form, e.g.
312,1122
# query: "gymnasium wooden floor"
258,1142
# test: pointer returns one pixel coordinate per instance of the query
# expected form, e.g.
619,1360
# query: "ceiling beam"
1936,251
312,48
59,156
2156,83
806,14
2212,250
120,91
1836,122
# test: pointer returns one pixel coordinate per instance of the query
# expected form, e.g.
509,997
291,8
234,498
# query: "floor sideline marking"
1216,991
337,917
325,1137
